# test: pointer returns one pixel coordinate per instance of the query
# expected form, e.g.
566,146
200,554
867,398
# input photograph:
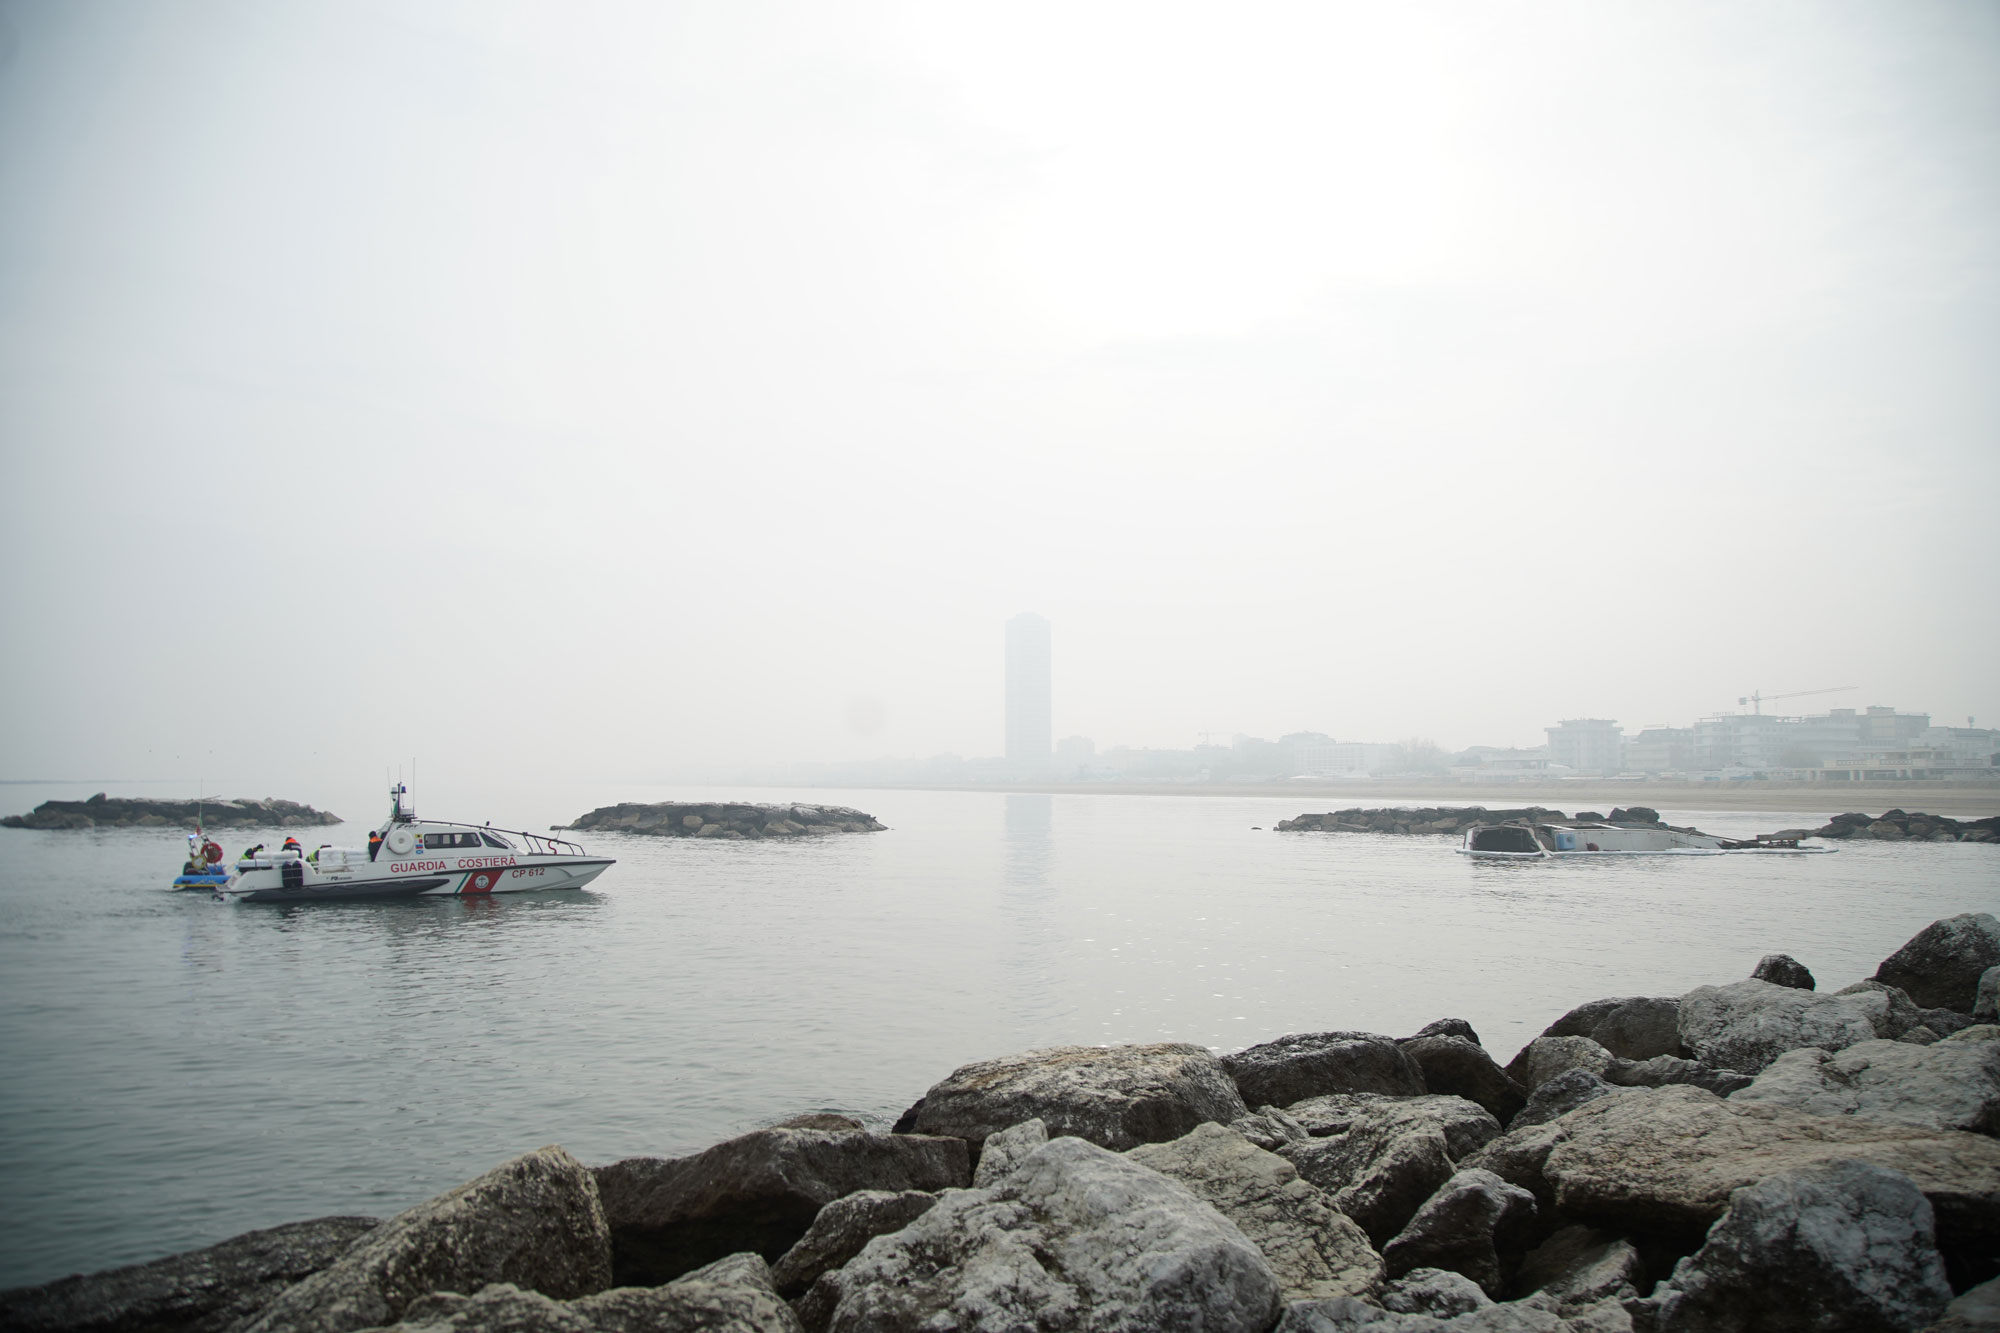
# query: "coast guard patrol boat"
411,858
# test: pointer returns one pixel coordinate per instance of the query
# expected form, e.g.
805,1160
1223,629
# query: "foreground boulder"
1075,1238
757,1192
1434,1291
1315,1064
1457,1066
1664,1162
1580,1266
1536,1314
1002,1152
1631,1027
534,1222
1840,1246
1977,1311
1314,1249
1559,1096
1747,1024
1548,1057
1116,1097
1462,1227
733,1294
1950,1084
1781,969
201,1291
841,1229
1381,1157
1940,967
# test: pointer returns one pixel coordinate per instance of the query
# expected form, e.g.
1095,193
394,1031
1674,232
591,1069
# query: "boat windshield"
493,839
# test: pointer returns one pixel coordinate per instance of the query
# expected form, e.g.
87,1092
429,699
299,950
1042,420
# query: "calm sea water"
177,1070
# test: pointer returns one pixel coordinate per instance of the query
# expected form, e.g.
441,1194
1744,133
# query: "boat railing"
539,844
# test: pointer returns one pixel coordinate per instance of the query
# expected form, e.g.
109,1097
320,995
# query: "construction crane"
1758,699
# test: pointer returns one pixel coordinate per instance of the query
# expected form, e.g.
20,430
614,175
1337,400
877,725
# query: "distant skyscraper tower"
1029,732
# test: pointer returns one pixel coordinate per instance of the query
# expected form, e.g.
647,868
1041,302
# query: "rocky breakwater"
102,811
1902,826
740,820
1453,819
1754,1154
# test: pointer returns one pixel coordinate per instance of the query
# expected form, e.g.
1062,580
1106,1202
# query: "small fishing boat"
411,858
1529,841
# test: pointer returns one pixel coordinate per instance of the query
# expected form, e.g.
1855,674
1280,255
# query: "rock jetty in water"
1453,819
102,811
1749,1155
1901,826
1894,826
676,819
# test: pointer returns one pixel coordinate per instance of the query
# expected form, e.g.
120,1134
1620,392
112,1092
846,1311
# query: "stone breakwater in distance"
738,820
1758,1154
1453,819
102,811
1893,826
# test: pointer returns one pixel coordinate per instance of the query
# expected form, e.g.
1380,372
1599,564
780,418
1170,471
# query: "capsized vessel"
1531,841
411,858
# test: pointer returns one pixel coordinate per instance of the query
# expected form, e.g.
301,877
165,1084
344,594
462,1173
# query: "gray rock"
1546,1057
1559,1096
1457,1067
1001,1151
1316,1251
1631,1027
1466,1126
1941,966
733,1294
1944,1022
1977,1311
1986,998
1781,969
1664,1070
1117,1097
535,1222
1581,1266
200,1291
1434,1291
1345,1314
1270,1128
841,1229
1383,1156
1316,1064
1446,1027
1833,1247
1746,1025
1075,1238
1947,1085
1899,1014
759,1191
1461,1228
829,1120
1664,1162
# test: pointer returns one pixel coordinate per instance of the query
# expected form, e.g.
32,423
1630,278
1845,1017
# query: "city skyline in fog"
626,391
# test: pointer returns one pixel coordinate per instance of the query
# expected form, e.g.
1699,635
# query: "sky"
626,390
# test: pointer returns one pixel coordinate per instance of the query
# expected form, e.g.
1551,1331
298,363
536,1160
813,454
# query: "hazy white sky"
612,389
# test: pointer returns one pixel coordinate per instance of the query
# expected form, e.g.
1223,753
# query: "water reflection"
1031,961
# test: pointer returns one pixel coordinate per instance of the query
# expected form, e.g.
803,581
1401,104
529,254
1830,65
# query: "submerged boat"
411,858
203,868
1526,841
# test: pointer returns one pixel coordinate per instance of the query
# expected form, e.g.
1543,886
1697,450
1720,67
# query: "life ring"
402,842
